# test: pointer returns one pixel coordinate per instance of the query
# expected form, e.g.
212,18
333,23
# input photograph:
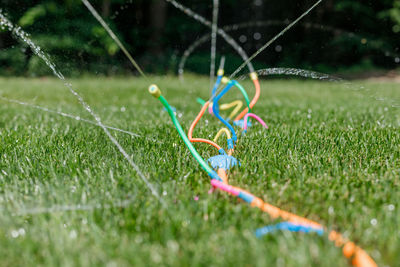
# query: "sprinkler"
223,162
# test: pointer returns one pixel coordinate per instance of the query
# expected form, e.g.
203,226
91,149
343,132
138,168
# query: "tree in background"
362,35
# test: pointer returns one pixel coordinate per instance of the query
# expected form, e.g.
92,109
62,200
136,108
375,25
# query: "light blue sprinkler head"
223,162
240,123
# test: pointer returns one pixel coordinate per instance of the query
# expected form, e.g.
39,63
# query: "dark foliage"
339,35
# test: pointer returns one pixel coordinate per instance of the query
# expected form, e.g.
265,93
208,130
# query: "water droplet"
156,257
243,38
138,239
174,246
21,231
278,48
73,234
257,36
14,233
331,210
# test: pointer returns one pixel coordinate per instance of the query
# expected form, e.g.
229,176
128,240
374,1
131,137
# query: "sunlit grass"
331,154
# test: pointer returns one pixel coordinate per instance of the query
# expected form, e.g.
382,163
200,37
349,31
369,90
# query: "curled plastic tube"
201,140
155,91
244,93
220,132
216,110
237,104
230,84
220,73
254,78
255,117
225,80
226,106
218,81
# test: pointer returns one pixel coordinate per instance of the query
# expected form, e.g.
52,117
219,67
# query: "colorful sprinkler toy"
224,161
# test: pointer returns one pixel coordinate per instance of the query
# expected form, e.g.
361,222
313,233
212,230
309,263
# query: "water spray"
23,36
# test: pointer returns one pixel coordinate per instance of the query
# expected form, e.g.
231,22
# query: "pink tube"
225,187
255,117
210,109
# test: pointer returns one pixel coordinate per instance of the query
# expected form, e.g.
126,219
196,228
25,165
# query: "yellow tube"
223,130
236,103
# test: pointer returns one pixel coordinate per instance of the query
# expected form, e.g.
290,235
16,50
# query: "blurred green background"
343,36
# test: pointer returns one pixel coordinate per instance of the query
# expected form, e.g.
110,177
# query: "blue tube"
222,151
246,197
216,110
216,85
289,227
230,143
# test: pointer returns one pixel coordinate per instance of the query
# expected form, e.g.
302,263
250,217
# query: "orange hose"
357,255
222,175
255,98
196,120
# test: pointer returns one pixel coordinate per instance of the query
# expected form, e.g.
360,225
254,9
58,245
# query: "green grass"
331,154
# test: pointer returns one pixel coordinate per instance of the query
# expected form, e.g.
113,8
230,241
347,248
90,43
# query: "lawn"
68,196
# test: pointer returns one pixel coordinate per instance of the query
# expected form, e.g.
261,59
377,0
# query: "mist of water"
274,39
113,36
188,52
249,24
220,31
20,34
214,40
63,114
295,72
71,208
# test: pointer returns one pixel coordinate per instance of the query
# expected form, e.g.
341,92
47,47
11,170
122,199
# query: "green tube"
183,135
200,101
246,97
